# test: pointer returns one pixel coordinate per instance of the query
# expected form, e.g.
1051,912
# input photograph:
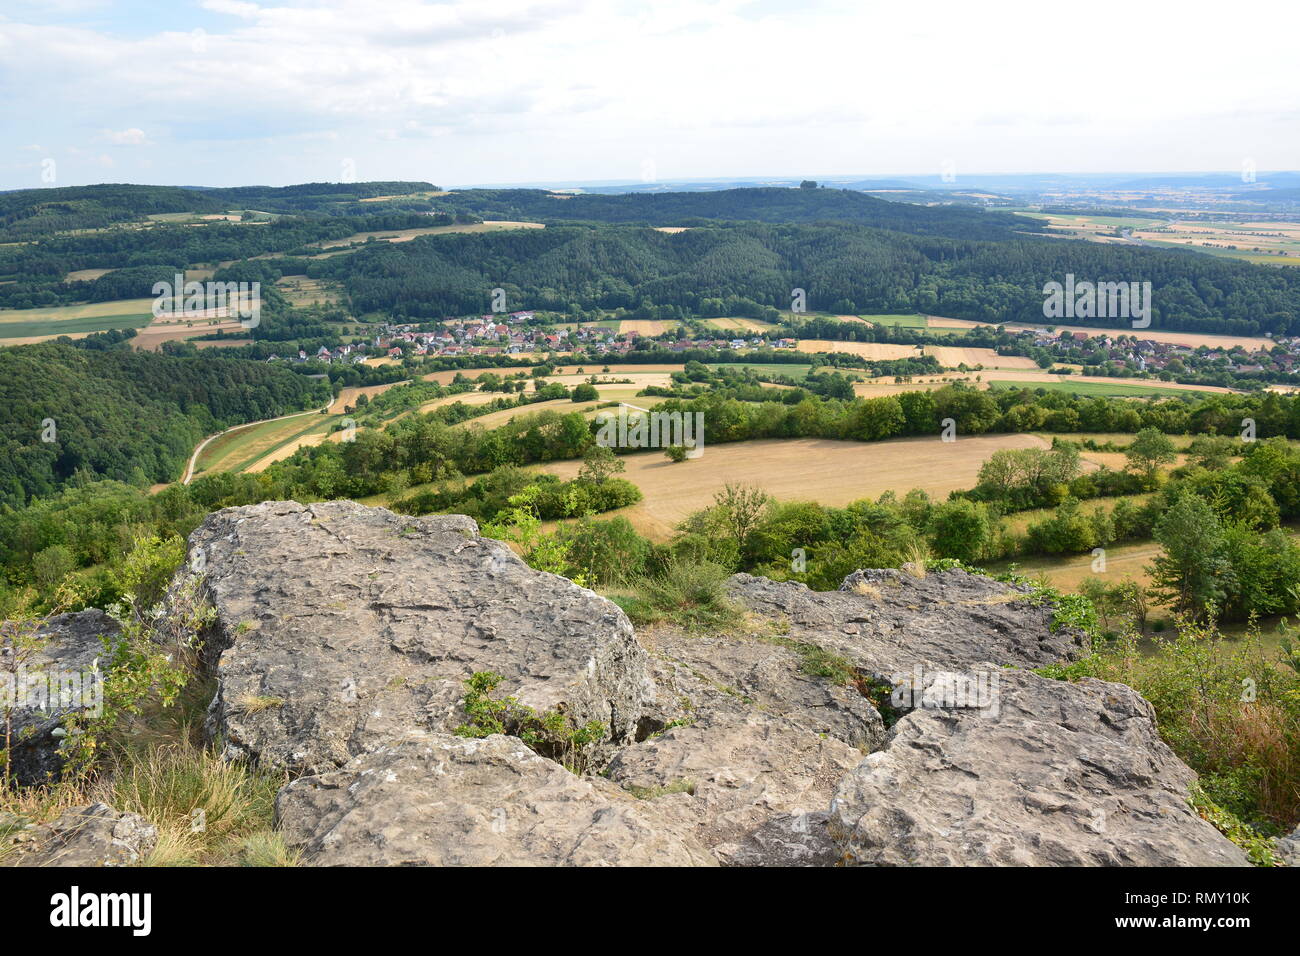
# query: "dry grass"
206,809
804,469
948,356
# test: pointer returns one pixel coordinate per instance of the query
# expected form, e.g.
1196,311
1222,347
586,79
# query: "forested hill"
761,204
751,268
129,415
28,213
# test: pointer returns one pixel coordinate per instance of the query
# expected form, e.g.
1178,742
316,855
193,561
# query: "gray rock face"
1287,848
796,839
340,627
65,663
748,747
1053,774
438,800
726,775
885,621
96,835
758,671
344,636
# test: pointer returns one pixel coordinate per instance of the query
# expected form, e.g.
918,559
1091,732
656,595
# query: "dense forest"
752,268
35,271
745,253
71,414
25,213
755,204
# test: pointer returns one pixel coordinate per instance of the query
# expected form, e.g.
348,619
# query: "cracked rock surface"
341,626
438,800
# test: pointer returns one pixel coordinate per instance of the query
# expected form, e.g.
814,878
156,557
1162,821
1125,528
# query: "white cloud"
501,90
126,137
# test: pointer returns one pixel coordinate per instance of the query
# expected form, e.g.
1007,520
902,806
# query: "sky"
467,92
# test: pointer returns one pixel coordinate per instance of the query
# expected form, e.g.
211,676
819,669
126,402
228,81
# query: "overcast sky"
226,92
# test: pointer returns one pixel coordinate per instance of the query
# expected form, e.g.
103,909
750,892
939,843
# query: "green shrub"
691,594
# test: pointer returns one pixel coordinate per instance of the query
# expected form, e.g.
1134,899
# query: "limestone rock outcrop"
340,627
896,721
437,800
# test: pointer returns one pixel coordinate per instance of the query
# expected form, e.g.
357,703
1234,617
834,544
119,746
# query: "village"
512,333
533,332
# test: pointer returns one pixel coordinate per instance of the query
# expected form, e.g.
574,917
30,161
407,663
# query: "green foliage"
521,526
605,553
691,594
144,666
1227,708
551,733
115,411
960,529
1148,451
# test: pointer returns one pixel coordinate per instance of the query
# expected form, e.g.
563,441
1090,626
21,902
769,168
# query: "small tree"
676,453
1191,571
1148,451
600,463
741,508
960,529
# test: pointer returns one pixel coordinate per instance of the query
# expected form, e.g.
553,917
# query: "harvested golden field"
446,377
873,351
639,380
740,324
85,275
223,344
1189,339
948,356
649,327
802,469
152,336
497,419
1124,562
303,441
951,357
881,386
465,398
349,396
239,447
406,235
568,372
301,291
422,194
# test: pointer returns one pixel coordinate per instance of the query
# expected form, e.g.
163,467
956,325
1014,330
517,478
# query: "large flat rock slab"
340,627
747,745
1043,773
438,800
885,621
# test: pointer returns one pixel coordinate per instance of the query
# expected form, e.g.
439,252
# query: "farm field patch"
803,469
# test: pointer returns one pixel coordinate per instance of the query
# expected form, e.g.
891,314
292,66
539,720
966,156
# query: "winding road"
189,469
